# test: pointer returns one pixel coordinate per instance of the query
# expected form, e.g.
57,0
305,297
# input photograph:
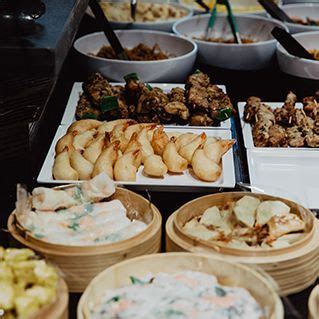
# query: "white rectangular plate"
247,129
69,114
292,174
185,181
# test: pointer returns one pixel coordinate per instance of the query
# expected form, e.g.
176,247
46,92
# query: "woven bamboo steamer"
227,273
313,303
289,267
58,309
80,264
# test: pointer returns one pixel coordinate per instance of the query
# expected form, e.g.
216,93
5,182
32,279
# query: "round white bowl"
302,10
165,25
174,69
251,56
303,68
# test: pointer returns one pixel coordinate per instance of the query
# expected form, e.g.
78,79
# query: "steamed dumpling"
281,225
194,228
269,208
245,210
213,217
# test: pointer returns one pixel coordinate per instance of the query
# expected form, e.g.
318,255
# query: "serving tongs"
272,8
203,5
108,30
231,20
291,45
133,9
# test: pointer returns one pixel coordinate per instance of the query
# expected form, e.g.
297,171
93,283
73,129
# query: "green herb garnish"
197,71
220,292
77,193
173,312
149,87
224,114
108,103
114,299
89,116
136,281
131,76
74,226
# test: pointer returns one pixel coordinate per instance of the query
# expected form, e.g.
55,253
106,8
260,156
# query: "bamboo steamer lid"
58,309
313,303
227,273
293,268
80,264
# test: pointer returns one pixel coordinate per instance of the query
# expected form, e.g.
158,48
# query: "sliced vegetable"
108,103
136,281
131,76
220,292
224,114
114,299
148,86
197,71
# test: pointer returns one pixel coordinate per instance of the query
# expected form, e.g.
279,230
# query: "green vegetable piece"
197,71
220,292
224,114
108,103
136,281
131,76
114,299
74,226
89,116
173,312
149,87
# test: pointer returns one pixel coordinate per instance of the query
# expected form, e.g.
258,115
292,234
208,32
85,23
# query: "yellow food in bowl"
315,54
145,12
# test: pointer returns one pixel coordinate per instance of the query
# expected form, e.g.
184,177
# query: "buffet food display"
200,103
167,127
248,222
120,147
286,126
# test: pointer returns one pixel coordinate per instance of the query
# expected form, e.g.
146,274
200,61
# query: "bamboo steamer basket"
80,264
294,268
227,273
58,309
313,303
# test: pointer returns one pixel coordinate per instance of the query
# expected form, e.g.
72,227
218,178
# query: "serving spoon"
272,8
291,45
108,30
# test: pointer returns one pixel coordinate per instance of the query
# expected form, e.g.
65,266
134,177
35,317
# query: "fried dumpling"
106,160
194,228
216,150
65,141
269,208
142,138
62,169
81,165
159,140
184,139
108,126
281,225
212,217
126,166
245,210
93,151
187,151
83,125
133,144
82,140
154,166
204,168
174,162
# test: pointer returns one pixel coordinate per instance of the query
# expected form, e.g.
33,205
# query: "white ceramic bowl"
302,10
303,68
252,56
165,25
175,69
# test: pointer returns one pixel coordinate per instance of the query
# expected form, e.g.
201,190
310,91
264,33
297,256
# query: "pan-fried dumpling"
280,225
287,240
194,228
213,217
269,208
245,210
